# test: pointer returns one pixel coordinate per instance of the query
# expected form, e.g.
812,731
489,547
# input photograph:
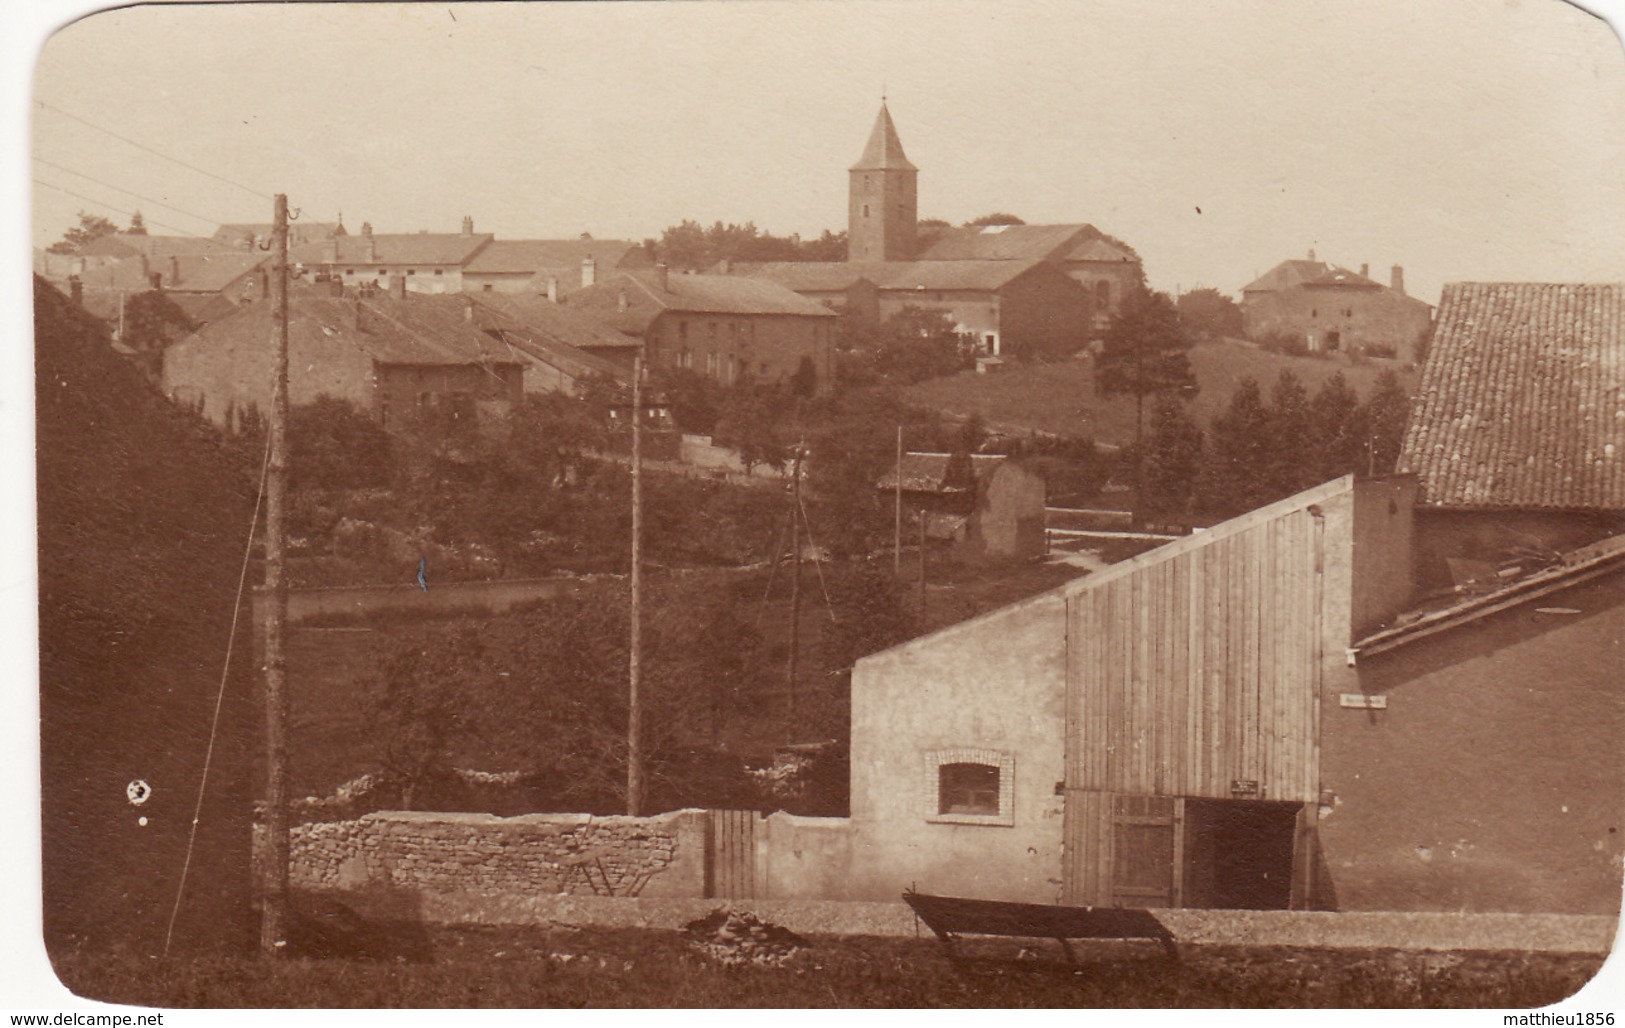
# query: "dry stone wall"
536,854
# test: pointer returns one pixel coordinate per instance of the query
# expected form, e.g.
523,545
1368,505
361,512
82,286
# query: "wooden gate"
730,854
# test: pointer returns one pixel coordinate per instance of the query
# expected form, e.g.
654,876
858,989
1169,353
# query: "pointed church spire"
885,150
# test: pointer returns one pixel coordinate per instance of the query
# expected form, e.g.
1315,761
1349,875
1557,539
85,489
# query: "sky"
1462,139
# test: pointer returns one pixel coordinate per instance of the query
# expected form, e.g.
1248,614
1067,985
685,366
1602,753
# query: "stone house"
1226,721
1006,306
1518,432
535,319
1334,310
426,262
548,267
731,330
400,359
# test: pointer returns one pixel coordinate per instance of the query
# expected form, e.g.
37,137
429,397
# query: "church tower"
882,207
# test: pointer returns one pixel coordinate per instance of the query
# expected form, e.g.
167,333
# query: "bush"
1289,343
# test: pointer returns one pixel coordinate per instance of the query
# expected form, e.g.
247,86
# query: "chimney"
1311,253
663,277
1396,279
589,271
76,290
552,289
366,229
174,271
1365,271
468,226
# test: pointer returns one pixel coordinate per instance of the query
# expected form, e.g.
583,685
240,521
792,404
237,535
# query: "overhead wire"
159,153
121,189
117,210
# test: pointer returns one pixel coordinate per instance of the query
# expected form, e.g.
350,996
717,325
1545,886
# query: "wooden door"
1145,851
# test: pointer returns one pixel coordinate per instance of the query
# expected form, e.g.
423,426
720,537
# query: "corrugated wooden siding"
1201,669
1086,853
730,855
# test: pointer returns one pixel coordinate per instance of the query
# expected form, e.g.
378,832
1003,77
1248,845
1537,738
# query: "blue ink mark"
423,566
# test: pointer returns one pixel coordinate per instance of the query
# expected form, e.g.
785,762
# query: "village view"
699,619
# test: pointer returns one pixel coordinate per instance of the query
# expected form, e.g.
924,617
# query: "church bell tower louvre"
883,208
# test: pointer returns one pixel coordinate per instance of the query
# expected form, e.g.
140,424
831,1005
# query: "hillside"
1060,398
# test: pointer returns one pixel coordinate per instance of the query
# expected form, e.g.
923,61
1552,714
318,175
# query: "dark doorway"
1334,340
1238,854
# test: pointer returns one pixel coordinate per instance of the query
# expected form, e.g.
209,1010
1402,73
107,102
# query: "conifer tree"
1231,482
1386,413
1289,450
1173,462
1337,429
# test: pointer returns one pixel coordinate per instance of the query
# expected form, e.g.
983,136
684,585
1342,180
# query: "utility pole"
897,529
922,567
795,578
634,714
274,903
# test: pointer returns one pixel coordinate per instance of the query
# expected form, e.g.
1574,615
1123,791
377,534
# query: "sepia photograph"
1078,505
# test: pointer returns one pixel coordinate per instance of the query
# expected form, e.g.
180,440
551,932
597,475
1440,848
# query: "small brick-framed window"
969,786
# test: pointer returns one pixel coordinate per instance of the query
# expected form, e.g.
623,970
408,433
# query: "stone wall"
536,854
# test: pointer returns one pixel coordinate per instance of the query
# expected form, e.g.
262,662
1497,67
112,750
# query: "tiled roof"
830,276
528,256
122,244
298,232
1099,250
813,276
399,248
540,319
1522,401
198,273
928,472
690,294
1340,277
419,330
1005,242
884,151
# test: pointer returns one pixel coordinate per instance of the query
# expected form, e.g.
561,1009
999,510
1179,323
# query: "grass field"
1060,398
514,967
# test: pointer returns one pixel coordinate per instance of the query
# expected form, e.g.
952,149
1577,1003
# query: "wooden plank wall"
1202,669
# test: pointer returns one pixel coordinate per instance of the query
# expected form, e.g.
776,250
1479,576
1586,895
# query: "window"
349,271
486,287
970,786
411,271
440,271
865,210
967,789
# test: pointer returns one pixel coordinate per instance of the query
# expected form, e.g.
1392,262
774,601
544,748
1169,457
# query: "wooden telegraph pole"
795,579
897,498
634,714
274,902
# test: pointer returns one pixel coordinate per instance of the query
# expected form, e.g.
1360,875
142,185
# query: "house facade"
1332,310
402,360
425,262
730,329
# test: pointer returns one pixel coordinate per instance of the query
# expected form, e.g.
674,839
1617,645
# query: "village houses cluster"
1382,693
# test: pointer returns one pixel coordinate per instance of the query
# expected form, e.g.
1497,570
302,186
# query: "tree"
1173,461
1386,413
417,704
918,343
752,424
1144,354
996,218
334,445
1209,314
138,225
91,227
1289,455
1231,482
1337,430
151,321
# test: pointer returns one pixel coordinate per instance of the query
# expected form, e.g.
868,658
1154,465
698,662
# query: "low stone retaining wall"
537,854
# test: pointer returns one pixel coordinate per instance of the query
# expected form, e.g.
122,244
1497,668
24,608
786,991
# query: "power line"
117,210
121,189
160,153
